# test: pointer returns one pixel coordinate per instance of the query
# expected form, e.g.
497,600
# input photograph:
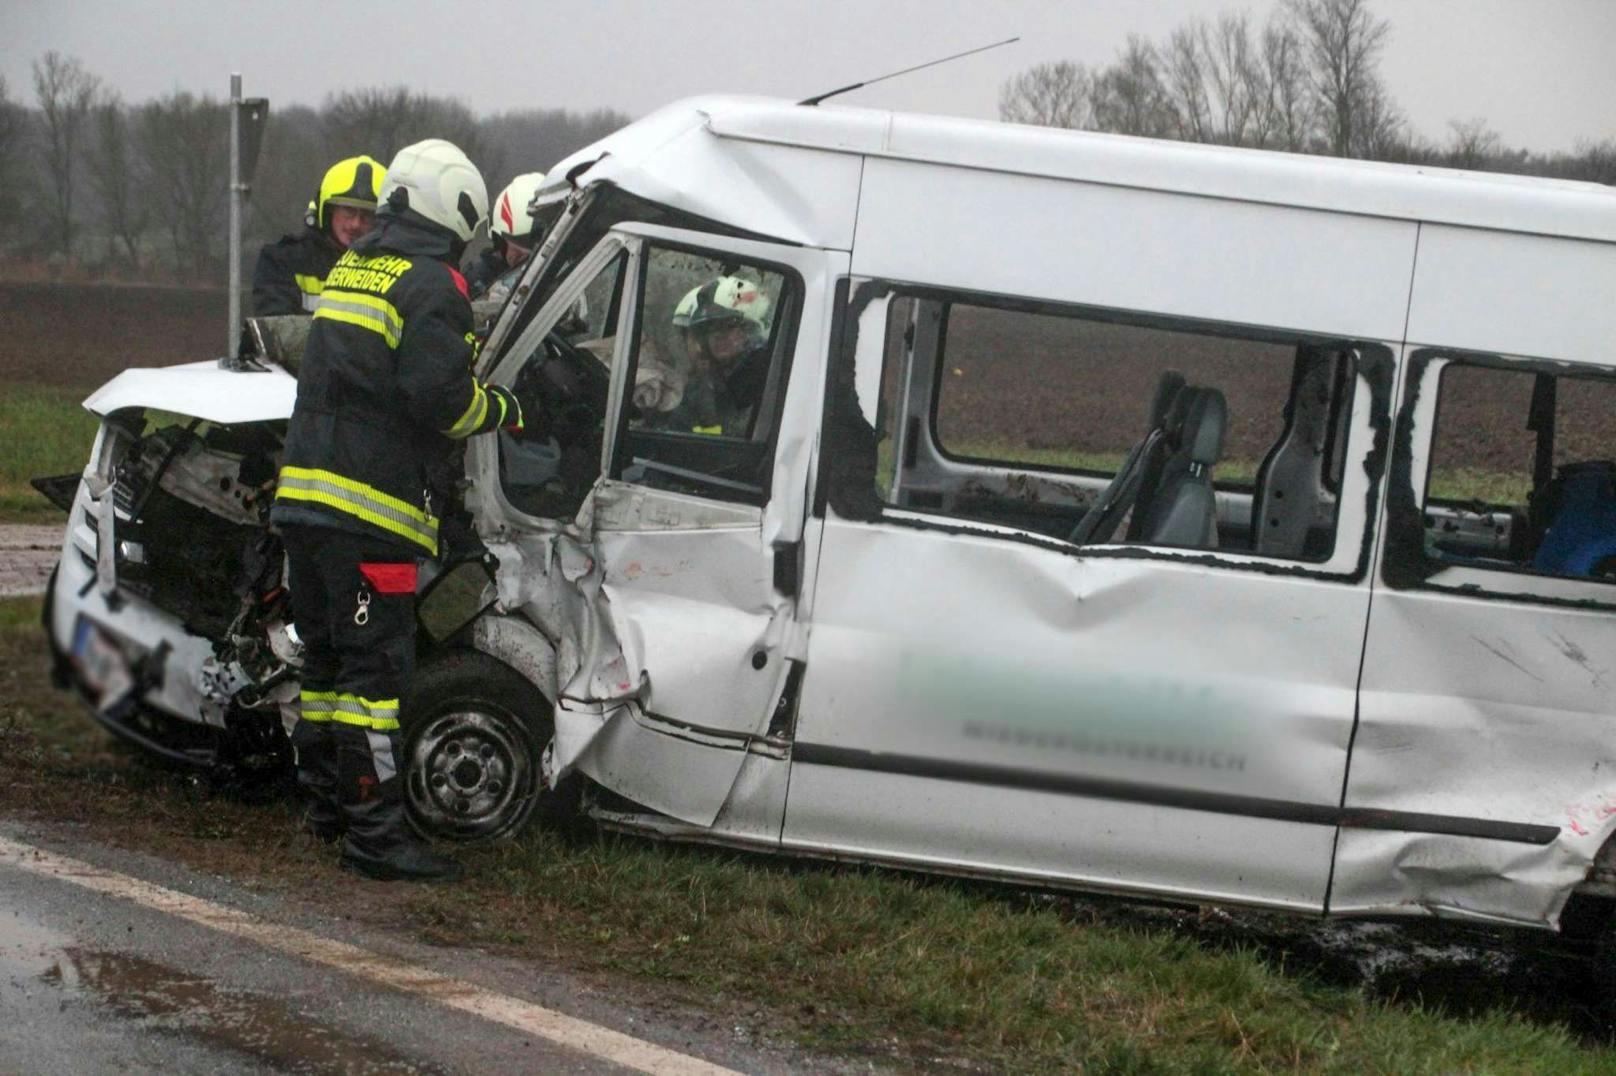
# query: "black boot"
380,843
316,755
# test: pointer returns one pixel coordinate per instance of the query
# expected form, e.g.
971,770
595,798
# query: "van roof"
1372,188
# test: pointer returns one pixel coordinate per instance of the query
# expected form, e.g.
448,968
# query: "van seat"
1143,461
1182,511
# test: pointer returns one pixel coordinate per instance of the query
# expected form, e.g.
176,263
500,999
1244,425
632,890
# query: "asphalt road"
27,553
114,962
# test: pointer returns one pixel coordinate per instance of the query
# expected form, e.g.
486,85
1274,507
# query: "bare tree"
1238,80
1380,132
1184,66
13,137
67,93
383,120
1343,41
1596,161
184,144
1471,143
1129,97
115,177
1284,109
1049,95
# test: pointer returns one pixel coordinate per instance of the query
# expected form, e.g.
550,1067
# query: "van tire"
473,731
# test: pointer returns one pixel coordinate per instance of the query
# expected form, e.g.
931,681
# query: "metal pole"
235,217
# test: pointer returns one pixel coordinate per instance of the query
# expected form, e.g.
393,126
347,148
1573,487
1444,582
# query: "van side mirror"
456,596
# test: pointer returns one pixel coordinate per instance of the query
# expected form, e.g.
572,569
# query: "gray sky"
1542,72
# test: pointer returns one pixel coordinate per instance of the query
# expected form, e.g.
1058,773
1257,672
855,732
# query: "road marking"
384,971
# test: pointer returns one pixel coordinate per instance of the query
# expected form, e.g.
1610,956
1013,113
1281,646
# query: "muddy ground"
79,335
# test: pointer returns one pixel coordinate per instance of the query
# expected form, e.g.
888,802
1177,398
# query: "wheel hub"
469,773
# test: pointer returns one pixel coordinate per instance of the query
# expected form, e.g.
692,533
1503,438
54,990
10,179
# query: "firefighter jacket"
290,272
384,387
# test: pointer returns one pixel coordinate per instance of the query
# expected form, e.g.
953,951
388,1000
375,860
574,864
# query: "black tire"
473,732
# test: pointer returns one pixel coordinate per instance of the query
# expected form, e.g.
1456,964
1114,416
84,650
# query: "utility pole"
234,345
247,120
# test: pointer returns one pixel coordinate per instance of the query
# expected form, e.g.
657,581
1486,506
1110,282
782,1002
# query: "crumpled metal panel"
1477,708
1398,873
1202,711
784,192
602,687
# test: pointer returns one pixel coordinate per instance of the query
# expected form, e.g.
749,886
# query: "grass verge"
47,432
902,970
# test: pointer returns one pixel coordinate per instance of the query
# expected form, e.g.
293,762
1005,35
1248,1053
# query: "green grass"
1488,487
46,433
872,963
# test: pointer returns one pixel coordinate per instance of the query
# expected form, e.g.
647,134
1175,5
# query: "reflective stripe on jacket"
385,385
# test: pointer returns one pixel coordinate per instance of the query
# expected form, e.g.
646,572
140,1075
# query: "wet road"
27,553
103,971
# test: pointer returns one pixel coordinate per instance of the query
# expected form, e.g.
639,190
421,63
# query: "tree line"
1305,80
92,182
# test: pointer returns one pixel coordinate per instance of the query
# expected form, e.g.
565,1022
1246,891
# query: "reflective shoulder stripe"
472,419
715,431
308,285
366,311
361,501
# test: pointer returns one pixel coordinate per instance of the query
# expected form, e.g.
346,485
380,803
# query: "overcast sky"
1542,72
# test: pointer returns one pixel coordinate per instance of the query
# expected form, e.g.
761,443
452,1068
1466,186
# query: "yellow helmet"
355,181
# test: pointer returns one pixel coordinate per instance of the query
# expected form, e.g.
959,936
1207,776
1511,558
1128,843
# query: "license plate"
102,664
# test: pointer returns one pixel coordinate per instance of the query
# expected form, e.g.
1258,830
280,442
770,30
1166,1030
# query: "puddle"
166,1000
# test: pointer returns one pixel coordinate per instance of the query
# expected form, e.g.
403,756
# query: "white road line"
384,971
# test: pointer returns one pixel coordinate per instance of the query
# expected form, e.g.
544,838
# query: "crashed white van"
1115,514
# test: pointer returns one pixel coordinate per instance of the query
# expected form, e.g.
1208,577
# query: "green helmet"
724,299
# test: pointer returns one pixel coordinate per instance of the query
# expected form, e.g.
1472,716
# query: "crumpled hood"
200,390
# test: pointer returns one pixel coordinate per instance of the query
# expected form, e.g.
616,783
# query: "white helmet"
437,181
510,219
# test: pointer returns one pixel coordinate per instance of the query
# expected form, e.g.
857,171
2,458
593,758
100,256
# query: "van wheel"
473,731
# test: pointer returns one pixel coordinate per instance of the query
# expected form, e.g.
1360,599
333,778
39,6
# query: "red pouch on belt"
390,578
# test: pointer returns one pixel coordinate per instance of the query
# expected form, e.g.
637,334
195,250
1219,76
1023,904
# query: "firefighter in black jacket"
385,385
290,272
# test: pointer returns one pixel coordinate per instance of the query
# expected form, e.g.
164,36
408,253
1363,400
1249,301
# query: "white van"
1097,512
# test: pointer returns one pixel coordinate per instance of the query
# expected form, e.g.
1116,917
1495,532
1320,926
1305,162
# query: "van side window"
1116,432
548,468
1521,477
711,346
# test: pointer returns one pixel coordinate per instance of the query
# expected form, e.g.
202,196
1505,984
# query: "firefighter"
385,385
513,231
725,327
289,272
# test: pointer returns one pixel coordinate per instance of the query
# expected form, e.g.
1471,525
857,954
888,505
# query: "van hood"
200,390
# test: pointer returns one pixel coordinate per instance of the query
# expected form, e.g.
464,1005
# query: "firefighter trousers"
353,604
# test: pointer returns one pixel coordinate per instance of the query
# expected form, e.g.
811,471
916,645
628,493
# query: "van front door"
698,517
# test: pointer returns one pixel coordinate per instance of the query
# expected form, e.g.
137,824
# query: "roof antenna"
930,63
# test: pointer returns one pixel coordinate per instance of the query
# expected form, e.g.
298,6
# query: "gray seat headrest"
1204,421
1168,389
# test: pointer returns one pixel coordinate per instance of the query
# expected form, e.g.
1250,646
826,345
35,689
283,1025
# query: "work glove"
510,411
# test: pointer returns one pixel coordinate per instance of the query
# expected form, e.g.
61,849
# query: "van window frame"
842,468
1404,564
782,335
